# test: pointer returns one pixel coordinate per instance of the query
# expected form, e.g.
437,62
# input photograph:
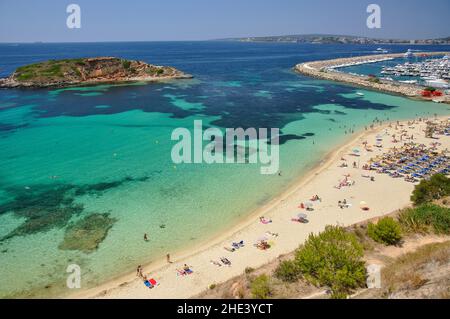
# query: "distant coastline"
338,39
323,70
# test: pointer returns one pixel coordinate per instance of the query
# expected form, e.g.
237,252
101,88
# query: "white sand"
383,196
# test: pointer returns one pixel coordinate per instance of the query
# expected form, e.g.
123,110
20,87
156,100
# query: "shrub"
126,64
387,231
436,187
260,287
249,270
212,286
426,218
333,258
373,80
287,271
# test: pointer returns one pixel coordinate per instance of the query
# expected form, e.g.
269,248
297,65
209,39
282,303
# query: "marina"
430,71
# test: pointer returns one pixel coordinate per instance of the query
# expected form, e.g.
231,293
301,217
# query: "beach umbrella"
363,204
262,238
309,204
356,150
302,216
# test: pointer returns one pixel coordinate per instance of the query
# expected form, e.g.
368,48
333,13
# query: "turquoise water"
70,153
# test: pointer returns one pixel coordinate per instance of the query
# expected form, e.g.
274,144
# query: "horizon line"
227,38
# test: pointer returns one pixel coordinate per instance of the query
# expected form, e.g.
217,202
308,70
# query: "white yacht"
409,54
381,50
439,83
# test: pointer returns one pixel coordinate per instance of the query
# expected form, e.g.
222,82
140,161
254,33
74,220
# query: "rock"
73,72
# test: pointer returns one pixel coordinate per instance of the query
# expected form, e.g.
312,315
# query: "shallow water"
70,153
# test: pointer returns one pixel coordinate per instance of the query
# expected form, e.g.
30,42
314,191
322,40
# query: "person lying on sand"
225,261
299,220
265,221
238,244
272,234
263,245
216,263
185,271
231,250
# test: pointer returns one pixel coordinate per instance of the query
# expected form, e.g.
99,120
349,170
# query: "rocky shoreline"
324,70
88,71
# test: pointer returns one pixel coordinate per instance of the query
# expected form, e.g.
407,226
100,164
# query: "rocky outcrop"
72,72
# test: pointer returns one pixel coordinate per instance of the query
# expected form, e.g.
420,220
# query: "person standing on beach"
168,258
139,271
145,237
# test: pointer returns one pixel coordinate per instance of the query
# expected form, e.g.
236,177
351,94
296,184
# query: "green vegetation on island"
85,71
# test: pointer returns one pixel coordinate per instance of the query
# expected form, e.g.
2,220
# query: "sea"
87,171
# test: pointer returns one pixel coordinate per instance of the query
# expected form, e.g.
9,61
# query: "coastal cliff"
70,72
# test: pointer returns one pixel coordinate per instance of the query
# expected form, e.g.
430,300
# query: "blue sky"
156,20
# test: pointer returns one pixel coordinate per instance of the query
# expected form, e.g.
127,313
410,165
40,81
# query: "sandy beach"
383,195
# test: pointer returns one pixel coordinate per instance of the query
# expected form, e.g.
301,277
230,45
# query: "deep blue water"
242,68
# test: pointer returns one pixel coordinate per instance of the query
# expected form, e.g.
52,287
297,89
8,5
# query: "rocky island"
86,71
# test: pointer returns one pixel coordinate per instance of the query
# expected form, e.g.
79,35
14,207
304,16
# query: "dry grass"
413,270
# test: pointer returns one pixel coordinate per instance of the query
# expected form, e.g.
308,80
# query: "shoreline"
217,239
183,76
326,70
128,286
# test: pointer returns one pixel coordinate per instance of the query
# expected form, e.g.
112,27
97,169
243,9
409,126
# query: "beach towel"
153,282
148,284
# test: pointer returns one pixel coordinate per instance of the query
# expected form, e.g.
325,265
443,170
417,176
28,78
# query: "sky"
168,20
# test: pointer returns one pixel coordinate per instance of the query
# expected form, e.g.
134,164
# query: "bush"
426,218
387,231
287,271
436,187
373,80
334,259
260,287
126,64
248,270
